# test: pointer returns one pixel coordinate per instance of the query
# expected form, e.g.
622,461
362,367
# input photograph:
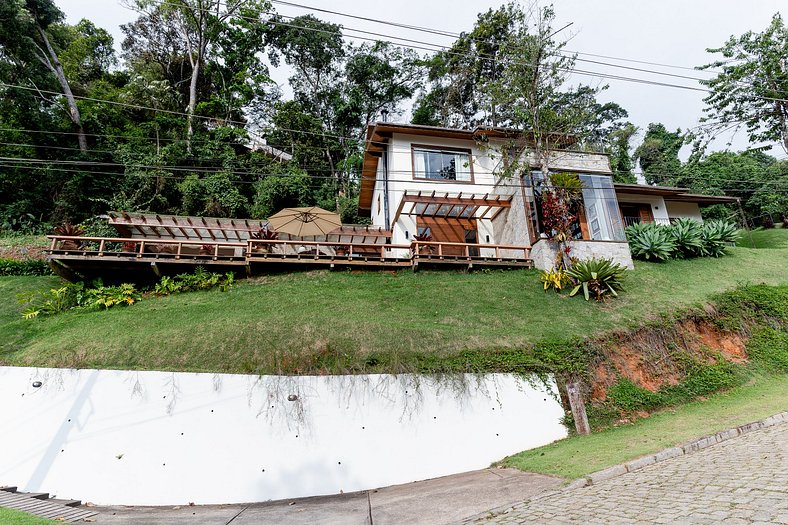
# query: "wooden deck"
118,258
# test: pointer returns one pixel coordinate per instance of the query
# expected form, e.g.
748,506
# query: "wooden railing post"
142,249
101,248
215,252
578,407
54,244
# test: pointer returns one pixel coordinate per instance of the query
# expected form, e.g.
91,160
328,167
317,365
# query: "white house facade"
424,182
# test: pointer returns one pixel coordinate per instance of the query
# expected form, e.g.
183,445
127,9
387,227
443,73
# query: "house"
435,198
425,182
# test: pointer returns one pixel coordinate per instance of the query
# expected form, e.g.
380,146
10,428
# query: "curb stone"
642,462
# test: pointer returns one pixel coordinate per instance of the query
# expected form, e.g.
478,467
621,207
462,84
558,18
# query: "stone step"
66,502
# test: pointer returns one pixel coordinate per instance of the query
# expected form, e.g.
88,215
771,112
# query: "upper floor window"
442,164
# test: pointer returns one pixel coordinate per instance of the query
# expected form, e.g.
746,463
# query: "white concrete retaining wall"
159,438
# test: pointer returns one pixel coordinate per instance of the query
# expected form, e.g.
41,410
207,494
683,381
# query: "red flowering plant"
559,204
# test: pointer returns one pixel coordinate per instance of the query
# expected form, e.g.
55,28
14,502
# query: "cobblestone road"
740,481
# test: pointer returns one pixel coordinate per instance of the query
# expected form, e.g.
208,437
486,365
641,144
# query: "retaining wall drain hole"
292,397
212,411
339,462
69,421
37,384
263,470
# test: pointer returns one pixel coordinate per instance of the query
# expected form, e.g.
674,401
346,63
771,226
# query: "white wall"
157,438
658,208
689,210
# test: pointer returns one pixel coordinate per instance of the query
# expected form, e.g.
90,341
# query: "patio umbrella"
304,222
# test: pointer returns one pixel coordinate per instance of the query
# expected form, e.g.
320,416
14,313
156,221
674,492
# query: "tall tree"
459,77
752,88
658,155
25,35
620,156
201,25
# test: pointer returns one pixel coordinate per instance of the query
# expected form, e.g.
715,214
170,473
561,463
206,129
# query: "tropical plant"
688,237
651,242
727,230
596,277
714,238
555,279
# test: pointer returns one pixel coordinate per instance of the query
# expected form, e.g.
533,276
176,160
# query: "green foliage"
96,296
650,241
759,60
192,282
687,236
215,196
24,267
597,278
769,347
658,154
275,192
628,397
684,238
713,243
700,379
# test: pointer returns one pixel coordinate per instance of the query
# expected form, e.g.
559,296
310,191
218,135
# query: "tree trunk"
192,103
57,68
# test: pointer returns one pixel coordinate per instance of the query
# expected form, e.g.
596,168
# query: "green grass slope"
334,321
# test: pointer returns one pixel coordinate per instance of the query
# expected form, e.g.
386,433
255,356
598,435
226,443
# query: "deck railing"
469,250
275,250
270,248
629,221
139,248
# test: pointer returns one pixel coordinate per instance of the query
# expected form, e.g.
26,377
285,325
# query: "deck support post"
155,268
574,392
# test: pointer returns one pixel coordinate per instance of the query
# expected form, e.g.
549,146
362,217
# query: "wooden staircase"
41,505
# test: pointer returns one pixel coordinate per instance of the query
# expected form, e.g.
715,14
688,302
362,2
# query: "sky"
670,32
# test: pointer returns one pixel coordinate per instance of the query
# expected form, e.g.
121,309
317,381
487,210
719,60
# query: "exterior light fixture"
37,384
292,397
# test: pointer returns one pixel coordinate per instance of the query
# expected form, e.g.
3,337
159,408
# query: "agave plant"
713,243
688,237
727,231
597,278
651,241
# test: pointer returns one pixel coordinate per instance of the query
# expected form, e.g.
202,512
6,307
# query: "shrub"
596,277
713,244
24,267
627,396
727,230
650,242
555,279
688,237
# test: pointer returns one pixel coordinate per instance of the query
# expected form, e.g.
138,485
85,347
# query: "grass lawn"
577,456
759,238
14,517
279,321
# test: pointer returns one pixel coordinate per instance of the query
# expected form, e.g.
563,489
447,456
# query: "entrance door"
449,230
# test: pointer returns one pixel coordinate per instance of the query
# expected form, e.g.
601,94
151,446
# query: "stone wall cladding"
544,252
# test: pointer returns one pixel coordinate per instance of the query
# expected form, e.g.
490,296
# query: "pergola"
452,205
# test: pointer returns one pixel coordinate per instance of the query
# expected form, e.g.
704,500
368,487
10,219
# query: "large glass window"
601,209
437,164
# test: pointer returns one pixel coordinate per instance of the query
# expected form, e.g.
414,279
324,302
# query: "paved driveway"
740,481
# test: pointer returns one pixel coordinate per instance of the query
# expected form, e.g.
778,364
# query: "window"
442,164
601,209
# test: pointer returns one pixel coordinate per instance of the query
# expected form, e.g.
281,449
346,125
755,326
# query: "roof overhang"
673,194
703,199
643,189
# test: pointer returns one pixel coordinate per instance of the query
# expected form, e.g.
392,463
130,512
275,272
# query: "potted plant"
69,230
427,248
263,234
